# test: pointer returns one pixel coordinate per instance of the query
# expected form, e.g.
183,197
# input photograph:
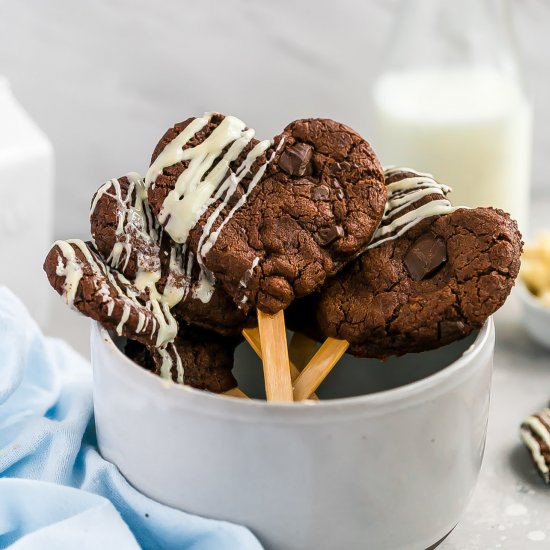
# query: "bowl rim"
395,398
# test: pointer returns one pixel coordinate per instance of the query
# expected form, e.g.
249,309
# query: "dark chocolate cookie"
431,275
270,220
198,358
535,433
78,273
130,240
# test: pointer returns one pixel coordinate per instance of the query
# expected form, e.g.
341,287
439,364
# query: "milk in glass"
450,100
470,127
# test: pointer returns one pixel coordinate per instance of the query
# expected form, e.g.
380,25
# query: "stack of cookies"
227,235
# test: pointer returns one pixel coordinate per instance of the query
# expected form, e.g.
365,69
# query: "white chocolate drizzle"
135,221
72,271
207,179
534,425
403,194
210,177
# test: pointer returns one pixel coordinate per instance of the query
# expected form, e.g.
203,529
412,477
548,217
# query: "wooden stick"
318,368
236,392
278,383
301,350
252,336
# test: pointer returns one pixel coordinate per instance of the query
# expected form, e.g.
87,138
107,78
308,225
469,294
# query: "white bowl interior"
354,376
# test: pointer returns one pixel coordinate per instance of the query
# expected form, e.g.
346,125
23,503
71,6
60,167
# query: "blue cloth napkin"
56,491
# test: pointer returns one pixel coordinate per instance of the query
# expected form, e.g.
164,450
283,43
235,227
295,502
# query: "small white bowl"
535,316
388,470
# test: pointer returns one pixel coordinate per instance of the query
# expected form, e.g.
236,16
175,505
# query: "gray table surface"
510,508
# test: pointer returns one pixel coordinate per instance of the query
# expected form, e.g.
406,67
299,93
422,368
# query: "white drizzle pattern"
403,194
134,220
163,320
206,180
533,425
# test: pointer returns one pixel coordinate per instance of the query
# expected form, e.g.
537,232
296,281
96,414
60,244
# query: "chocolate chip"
329,234
425,255
344,166
335,168
295,160
338,187
321,193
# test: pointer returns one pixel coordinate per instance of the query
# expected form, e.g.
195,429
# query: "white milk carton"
26,205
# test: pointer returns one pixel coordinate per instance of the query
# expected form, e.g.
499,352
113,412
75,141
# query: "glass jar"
450,100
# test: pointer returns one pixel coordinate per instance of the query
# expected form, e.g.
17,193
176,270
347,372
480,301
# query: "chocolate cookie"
432,273
130,240
270,220
78,273
198,358
535,433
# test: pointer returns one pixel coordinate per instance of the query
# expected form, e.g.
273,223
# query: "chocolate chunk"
295,160
321,193
376,306
425,255
338,187
329,234
338,167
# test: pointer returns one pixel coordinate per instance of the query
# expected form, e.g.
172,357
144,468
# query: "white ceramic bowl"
389,470
535,316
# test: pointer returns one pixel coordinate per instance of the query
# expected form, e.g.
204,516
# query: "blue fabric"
56,491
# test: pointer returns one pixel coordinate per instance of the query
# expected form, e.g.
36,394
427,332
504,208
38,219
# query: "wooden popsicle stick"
301,350
252,336
318,368
278,383
236,392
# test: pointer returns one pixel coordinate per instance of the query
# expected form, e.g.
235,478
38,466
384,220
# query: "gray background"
104,79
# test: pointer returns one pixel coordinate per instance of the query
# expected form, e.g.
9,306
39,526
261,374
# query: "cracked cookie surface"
310,201
385,303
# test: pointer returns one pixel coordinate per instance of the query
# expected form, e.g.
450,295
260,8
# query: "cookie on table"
431,275
535,434
131,241
269,220
197,358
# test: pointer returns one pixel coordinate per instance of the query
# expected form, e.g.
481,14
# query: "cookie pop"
432,274
269,221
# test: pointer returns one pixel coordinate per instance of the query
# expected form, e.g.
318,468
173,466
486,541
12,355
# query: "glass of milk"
450,100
